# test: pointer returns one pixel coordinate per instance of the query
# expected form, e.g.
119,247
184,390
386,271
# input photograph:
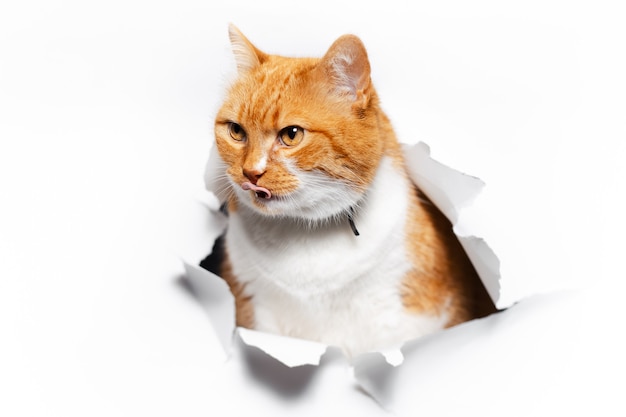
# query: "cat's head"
299,137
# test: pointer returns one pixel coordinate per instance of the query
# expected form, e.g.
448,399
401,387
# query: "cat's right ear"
347,66
247,56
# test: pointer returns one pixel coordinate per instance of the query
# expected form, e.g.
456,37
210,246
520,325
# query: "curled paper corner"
393,357
290,351
449,189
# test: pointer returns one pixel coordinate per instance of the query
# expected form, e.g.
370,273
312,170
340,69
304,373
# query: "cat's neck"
380,218
298,225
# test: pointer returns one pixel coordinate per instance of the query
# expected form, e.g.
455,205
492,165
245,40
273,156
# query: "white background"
105,126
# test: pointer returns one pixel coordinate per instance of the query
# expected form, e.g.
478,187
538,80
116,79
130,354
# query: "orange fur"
243,307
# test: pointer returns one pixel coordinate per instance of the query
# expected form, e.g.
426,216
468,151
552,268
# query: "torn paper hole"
450,190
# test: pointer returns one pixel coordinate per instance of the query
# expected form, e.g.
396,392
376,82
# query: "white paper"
105,130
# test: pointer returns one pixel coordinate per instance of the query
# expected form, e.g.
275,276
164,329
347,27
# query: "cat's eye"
291,135
236,132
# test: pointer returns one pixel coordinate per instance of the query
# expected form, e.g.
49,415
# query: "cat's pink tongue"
260,191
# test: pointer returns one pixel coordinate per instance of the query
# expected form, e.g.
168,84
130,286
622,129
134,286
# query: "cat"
327,238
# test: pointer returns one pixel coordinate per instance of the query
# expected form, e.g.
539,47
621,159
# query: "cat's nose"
253,174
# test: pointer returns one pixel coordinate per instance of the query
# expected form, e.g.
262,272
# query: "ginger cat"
327,237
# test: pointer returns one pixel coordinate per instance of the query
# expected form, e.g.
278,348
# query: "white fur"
345,81
261,164
319,281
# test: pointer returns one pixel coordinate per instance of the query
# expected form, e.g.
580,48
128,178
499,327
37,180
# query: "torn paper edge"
448,189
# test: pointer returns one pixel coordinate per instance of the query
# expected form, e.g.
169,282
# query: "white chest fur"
326,284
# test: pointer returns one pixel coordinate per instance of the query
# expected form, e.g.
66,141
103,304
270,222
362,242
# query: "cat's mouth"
260,192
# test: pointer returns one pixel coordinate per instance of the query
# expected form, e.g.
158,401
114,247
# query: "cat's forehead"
281,89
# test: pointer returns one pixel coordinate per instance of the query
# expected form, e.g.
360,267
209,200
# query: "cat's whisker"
224,192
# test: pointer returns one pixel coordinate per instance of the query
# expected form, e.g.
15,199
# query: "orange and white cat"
327,237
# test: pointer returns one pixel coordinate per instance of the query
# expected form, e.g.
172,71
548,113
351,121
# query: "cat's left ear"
247,56
347,66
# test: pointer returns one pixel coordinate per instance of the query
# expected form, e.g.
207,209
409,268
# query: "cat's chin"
296,205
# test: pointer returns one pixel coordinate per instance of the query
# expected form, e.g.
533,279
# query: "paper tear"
393,357
448,189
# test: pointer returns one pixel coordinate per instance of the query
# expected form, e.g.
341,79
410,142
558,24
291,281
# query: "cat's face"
298,136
